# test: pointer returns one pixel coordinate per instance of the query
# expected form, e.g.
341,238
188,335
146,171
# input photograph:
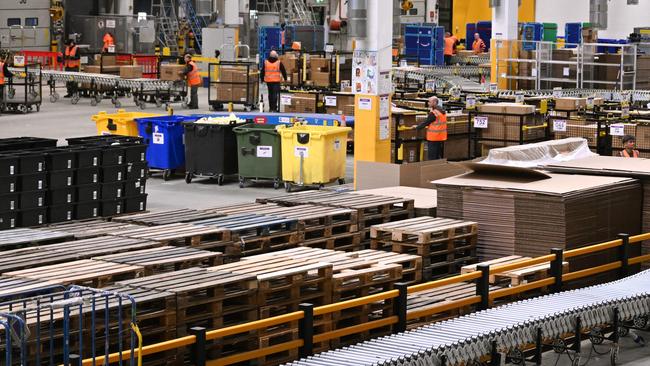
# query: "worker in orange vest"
629,150
193,81
436,125
478,46
109,41
272,74
450,47
71,62
4,75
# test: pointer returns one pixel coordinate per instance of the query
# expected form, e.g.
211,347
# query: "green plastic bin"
550,32
259,154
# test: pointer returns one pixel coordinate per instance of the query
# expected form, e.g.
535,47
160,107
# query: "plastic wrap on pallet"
541,153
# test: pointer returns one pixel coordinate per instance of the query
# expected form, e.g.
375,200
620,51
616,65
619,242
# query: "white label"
119,159
384,107
83,60
557,92
158,138
40,201
137,184
69,200
95,161
94,195
12,205
430,85
590,103
480,122
264,152
519,98
119,192
337,145
11,170
330,101
285,99
19,61
365,104
94,211
384,129
69,181
142,16
299,151
95,178
40,167
494,88
13,222
284,119
40,219
141,173
40,184
559,125
110,23
141,156
403,63
566,71
111,49
12,187
69,215
141,206
533,72
142,190
470,102
69,164
329,48
119,175
617,130
625,112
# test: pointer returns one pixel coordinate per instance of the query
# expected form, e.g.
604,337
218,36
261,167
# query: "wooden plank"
24,237
82,272
90,228
167,217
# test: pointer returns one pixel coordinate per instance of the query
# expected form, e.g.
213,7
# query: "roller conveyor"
513,327
444,76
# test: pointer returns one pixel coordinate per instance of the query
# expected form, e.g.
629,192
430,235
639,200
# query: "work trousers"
274,96
194,97
435,150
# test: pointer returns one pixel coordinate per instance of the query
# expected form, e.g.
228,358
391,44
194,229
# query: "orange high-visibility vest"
437,130
450,42
272,72
69,53
108,41
2,73
478,46
625,154
193,77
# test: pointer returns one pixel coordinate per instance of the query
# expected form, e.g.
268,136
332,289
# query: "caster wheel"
613,356
11,93
576,361
276,185
38,108
321,186
93,102
143,105
54,97
623,331
241,184
98,99
188,178
159,103
640,322
559,346
166,174
184,104
596,336
341,181
22,109
220,180
74,99
248,108
516,357
287,187
117,104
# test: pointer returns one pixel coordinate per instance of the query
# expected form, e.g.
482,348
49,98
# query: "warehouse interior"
324,182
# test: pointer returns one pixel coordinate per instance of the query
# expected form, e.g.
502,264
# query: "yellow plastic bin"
120,123
313,155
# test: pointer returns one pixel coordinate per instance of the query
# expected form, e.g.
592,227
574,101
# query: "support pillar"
505,18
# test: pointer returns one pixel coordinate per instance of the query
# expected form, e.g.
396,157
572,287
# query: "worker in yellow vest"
193,81
629,144
272,74
436,125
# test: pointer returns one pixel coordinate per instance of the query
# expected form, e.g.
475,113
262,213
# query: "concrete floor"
62,119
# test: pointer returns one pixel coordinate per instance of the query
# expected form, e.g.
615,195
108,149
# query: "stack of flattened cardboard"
526,212
615,166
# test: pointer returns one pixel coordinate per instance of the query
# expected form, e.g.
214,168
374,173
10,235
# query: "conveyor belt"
468,338
444,76
610,95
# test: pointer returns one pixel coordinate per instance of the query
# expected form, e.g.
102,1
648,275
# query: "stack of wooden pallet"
90,228
22,238
444,244
165,259
166,217
318,226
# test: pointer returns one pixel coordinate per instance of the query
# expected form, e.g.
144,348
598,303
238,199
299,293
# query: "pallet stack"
444,244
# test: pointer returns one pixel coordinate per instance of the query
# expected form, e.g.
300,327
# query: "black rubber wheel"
613,356
276,184
623,331
596,336
188,178
220,180
321,186
242,181
93,102
166,174
341,181
287,187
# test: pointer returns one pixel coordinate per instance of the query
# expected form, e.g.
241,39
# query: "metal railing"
482,300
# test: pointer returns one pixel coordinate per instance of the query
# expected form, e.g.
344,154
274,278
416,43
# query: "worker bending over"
629,150
109,41
436,125
478,46
450,47
4,75
71,62
272,74
193,81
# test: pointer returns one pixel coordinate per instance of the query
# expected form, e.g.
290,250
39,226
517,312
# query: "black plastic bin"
9,202
135,203
60,213
8,165
8,184
33,182
88,156
87,175
33,199
23,143
210,150
8,220
135,187
61,179
89,193
32,217
60,159
87,210
62,196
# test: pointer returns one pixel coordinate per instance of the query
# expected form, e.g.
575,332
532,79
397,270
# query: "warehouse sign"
559,125
301,151
480,122
285,99
617,130
330,101
264,152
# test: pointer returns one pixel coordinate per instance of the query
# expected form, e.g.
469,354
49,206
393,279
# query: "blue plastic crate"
573,33
426,52
439,57
531,32
164,138
411,41
439,38
269,39
427,60
484,30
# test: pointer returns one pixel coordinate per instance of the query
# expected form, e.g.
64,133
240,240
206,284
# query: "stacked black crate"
61,166
9,196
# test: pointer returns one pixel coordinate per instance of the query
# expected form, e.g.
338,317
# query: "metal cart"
22,92
228,87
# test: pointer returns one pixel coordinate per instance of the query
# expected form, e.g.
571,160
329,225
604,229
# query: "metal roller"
513,326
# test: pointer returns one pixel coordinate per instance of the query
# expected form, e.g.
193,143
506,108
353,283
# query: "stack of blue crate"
572,34
269,39
425,44
531,32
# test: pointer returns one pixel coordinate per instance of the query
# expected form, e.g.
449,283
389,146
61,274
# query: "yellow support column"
371,133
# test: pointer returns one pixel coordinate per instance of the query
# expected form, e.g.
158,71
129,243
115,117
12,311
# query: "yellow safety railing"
392,295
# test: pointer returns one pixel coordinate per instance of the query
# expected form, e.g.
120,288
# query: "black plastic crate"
33,199
135,153
60,213
113,173
8,165
9,202
136,171
31,162
89,192
135,203
8,220
88,156
135,187
33,182
113,155
112,191
22,143
87,210
112,207
104,140
88,175
62,196
32,217
8,184
60,159
61,179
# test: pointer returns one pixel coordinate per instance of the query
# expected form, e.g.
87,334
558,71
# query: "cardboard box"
225,75
465,53
457,148
570,104
131,72
320,64
320,78
171,72
240,93
92,69
290,62
108,60
506,108
589,35
372,175
221,92
112,70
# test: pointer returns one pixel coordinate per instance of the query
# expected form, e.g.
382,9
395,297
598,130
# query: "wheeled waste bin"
211,148
259,156
313,155
120,123
164,138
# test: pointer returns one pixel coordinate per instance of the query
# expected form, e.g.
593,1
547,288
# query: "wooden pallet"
166,259
345,242
181,234
167,217
518,276
21,238
423,230
18,288
90,228
86,272
411,264
24,258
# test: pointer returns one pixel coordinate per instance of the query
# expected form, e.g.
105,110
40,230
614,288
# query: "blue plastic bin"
164,138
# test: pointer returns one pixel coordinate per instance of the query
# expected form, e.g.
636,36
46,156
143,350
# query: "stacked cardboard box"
235,84
506,120
300,103
643,72
291,63
525,212
171,72
344,104
131,72
319,72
